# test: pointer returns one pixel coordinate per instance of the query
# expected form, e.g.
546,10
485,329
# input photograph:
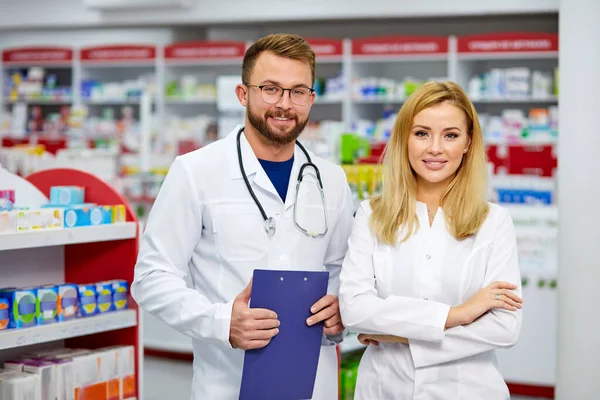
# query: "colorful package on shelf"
80,216
46,218
67,195
125,369
7,199
120,289
8,222
24,309
23,220
118,214
104,297
47,297
68,301
4,313
88,305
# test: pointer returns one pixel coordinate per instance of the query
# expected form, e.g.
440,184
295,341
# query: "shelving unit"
379,67
31,94
188,87
76,255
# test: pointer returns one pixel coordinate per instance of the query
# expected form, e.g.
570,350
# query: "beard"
274,135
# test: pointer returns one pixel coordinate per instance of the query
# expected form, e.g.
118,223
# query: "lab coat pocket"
474,271
383,267
239,232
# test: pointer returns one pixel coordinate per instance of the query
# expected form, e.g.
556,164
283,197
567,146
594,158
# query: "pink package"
7,199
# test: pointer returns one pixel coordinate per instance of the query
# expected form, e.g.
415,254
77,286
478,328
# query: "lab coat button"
428,256
282,257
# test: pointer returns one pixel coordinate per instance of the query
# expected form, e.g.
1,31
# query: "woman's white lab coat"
205,225
407,290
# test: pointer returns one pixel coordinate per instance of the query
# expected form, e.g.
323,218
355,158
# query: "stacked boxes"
72,374
66,209
48,304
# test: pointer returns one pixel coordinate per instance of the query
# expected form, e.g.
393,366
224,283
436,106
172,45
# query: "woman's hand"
495,295
367,339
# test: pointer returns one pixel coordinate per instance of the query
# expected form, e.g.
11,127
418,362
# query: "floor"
167,379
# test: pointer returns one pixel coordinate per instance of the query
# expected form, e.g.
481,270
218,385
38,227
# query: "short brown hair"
283,45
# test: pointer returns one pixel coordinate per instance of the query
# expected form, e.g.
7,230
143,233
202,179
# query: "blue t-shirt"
279,174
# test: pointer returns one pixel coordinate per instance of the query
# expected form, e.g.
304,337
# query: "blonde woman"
431,278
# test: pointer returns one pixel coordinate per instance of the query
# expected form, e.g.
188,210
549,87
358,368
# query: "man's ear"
241,92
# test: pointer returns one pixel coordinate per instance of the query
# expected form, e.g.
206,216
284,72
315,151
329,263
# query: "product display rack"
76,255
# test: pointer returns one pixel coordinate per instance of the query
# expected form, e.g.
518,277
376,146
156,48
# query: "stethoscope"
270,225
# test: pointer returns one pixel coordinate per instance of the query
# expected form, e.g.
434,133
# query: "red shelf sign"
207,50
400,45
508,42
37,55
326,47
118,53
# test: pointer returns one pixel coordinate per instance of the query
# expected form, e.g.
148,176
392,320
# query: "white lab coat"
407,290
205,225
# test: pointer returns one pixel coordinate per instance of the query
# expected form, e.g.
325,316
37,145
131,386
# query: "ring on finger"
497,296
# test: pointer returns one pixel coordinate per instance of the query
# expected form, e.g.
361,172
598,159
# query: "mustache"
282,114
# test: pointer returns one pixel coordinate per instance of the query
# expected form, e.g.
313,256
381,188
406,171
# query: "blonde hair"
465,199
283,45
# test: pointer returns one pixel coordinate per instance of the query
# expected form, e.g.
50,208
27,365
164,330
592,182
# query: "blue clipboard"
287,367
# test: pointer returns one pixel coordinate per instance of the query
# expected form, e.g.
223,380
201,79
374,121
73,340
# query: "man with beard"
234,206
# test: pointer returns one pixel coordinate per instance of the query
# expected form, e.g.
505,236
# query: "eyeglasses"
272,94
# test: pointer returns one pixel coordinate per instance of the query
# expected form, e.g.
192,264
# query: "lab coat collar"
256,173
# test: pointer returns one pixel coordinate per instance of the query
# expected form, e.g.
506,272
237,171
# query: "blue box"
104,297
67,195
120,294
86,215
4,313
68,301
88,304
47,297
101,215
24,307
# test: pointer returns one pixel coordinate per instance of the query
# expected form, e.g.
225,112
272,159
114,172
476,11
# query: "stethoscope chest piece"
270,226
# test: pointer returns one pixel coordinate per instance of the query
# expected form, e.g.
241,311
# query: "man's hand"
251,328
327,309
376,339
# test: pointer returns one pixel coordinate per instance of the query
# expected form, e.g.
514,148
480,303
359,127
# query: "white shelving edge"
60,237
14,338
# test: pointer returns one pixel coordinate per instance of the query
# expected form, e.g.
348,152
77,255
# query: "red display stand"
96,261
81,255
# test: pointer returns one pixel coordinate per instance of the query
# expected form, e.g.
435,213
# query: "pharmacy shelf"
65,236
39,101
379,101
517,100
134,101
325,100
13,338
542,55
175,100
351,344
